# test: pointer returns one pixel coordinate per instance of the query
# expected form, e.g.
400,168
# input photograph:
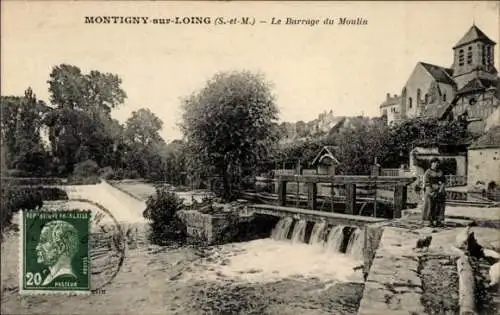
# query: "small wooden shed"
325,161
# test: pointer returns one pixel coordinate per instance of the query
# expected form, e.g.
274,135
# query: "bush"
106,172
85,173
15,198
80,180
6,212
51,193
85,169
161,209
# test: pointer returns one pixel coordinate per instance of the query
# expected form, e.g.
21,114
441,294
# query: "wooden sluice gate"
351,184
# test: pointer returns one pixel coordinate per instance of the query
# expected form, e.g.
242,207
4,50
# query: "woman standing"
434,195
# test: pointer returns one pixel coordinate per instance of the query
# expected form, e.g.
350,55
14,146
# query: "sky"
346,69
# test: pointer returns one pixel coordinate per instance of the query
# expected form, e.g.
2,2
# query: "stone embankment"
403,280
393,284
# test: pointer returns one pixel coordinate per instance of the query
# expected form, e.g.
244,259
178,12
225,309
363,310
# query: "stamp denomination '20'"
54,255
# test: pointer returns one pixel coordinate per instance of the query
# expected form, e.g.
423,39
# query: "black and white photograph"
250,157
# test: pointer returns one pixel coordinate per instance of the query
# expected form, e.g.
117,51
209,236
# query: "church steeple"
473,57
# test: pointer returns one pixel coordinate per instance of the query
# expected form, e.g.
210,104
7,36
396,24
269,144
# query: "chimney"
395,95
388,96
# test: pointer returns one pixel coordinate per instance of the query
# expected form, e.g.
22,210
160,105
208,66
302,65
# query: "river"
266,276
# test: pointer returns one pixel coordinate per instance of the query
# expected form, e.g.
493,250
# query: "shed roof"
327,151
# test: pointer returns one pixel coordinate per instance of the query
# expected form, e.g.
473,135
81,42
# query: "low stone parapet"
393,285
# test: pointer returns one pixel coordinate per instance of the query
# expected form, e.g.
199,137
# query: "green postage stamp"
54,252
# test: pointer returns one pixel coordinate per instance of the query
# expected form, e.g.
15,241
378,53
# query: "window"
489,53
418,95
483,55
426,98
469,57
444,97
410,102
461,57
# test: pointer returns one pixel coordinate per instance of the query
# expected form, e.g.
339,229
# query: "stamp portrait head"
58,240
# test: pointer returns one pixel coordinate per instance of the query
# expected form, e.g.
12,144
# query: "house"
391,109
484,159
469,88
325,161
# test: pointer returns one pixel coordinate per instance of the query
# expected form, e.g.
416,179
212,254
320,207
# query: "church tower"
473,58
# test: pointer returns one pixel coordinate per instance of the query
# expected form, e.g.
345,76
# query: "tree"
93,92
80,125
230,124
145,145
143,128
359,145
424,132
21,125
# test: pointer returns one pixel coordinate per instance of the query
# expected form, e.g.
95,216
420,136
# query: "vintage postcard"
250,157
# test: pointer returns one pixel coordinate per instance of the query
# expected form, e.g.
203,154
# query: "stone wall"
209,229
484,166
393,285
372,235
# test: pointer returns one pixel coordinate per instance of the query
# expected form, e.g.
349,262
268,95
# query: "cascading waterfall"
280,232
355,245
335,238
299,231
317,234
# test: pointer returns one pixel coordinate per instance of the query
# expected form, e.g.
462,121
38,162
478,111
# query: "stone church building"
470,88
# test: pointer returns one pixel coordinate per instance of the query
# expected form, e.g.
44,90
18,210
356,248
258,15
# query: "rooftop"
472,35
478,84
439,73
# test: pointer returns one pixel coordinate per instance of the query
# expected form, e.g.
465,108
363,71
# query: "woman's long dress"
434,200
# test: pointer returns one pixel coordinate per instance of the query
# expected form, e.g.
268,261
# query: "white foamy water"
299,232
268,260
281,230
355,245
335,238
317,234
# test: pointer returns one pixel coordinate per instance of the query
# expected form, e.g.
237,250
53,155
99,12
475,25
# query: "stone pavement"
393,285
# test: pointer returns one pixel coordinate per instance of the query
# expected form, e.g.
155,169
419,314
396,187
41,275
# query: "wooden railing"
455,180
399,185
451,180
389,172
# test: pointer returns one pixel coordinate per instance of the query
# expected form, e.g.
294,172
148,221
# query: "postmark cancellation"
54,252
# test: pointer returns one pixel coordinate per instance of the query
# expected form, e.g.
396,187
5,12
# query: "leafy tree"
80,126
359,145
94,92
424,132
229,125
21,125
145,145
143,128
